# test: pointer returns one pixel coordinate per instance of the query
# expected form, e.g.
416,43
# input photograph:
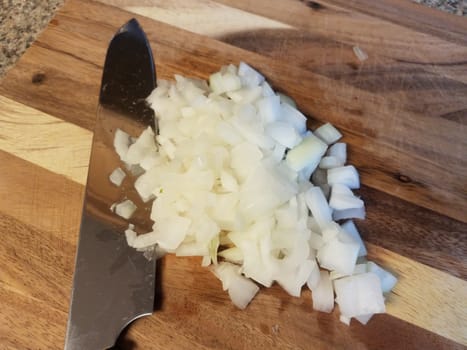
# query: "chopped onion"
323,294
361,55
306,153
328,133
339,151
117,176
124,209
241,290
342,198
388,281
229,173
339,254
359,295
249,76
351,229
346,175
329,162
294,117
122,142
318,206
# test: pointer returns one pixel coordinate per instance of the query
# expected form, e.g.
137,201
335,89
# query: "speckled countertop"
22,20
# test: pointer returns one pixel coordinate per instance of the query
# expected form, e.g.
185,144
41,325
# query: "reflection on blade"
113,284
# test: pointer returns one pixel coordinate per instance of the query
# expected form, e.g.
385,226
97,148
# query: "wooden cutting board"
403,112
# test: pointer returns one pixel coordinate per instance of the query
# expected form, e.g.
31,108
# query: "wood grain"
395,109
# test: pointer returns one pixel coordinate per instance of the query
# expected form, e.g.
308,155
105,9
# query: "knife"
113,284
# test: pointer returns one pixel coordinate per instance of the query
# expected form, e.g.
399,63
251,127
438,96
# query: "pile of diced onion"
236,178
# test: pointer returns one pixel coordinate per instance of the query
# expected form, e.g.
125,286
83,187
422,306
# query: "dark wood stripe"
297,13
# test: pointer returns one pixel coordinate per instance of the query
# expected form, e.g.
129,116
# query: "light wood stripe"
218,19
424,296
49,142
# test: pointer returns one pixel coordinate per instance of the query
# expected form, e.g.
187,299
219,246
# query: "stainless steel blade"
113,284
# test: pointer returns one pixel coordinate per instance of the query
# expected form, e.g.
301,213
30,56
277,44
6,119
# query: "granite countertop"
21,21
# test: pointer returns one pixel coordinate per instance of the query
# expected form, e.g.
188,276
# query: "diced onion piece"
226,82
168,233
316,240
388,280
249,76
328,133
269,108
361,55
339,151
233,255
306,153
121,143
294,117
283,133
359,268
318,206
342,198
130,235
359,295
315,275
346,175
339,254
293,280
117,176
125,209
329,162
241,290
323,294
245,95
351,229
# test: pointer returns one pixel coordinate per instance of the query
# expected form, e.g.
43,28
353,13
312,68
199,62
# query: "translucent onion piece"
117,176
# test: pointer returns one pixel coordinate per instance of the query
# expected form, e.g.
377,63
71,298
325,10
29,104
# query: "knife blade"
113,284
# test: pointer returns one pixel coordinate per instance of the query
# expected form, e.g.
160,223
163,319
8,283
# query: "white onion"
294,117
229,173
121,143
359,295
339,254
124,209
339,151
323,294
249,76
351,229
388,280
346,175
241,290
318,206
306,153
342,198
361,55
329,162
117,176
328,133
